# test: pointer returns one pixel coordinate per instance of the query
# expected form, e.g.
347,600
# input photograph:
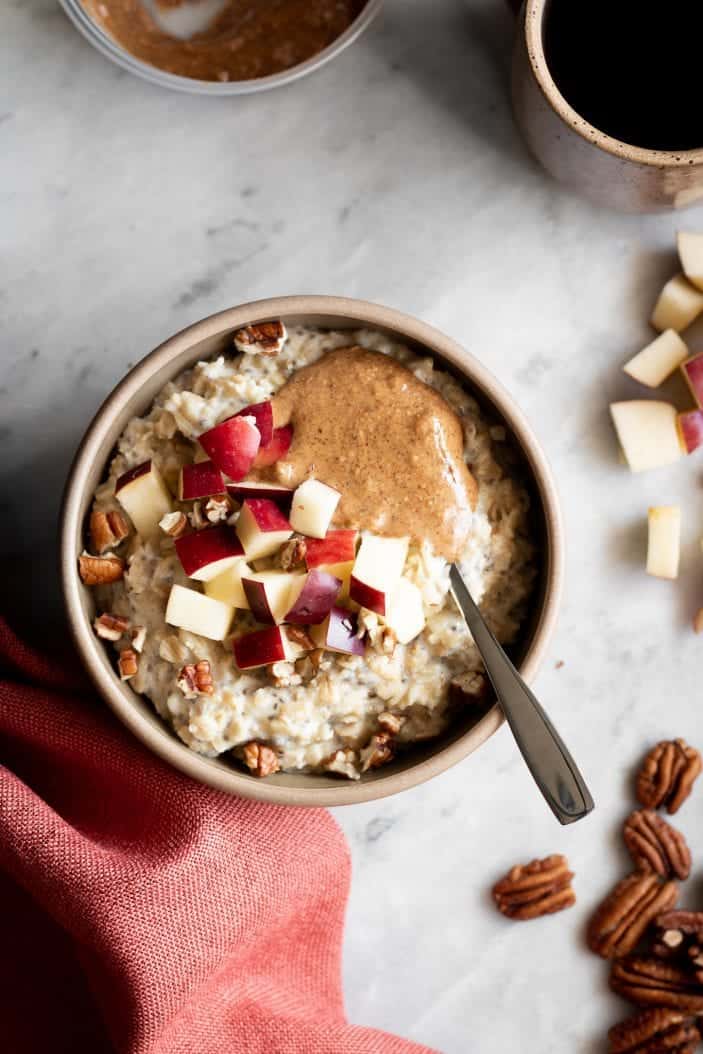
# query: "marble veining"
394,174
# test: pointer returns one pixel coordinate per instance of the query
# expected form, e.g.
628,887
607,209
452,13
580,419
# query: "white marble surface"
395,174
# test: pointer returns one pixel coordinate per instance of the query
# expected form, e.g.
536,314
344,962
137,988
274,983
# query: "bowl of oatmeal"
256,539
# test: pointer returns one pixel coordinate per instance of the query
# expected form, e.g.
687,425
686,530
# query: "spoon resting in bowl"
552,767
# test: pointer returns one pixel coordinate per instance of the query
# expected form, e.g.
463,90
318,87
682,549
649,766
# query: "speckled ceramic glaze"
134,395
578,154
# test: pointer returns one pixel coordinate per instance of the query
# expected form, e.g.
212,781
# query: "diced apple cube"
664,541
692,370
270,593
338,633
337,547
200,480
647,432
279,446
678,305
227,586
262,648
405,614
199,614
313,508
144,496
232,445
343,573
207,553
658,360
262,528
691,256
691,429
254,489
315,598
263,418
377,570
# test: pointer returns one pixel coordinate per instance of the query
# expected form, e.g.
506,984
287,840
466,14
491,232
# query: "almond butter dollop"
390,444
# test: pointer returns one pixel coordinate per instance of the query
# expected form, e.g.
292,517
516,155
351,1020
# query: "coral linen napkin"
145,913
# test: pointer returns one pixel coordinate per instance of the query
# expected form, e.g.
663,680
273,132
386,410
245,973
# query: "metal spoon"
551,764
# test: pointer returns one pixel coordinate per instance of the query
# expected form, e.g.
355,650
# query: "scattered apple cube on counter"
664,541
658,360
232,445
269,594
199,614
206,553
692,370
313,507
276,449
262,527
315,598
263,419
648,433
377,570
405,614
338,633
678,305
690,426
144,496
691,255
263,647
227,586
200,480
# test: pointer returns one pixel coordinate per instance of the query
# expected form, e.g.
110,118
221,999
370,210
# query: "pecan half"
196,679
653,1032
100,570
267,338
646,981
541,887
655,845
292,553
679,937
667,775
260,759
379,751
620,920
107,529
111,627
127,664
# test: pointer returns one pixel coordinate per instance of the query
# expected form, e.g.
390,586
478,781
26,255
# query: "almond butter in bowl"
292,511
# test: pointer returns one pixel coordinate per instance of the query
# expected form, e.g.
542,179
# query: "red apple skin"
259,648
341,632
337,547
315,600
692,370
691,430
232,446
256,595
263,415
367,596
267,515
131,474
277,448
206,546
201,480
241,491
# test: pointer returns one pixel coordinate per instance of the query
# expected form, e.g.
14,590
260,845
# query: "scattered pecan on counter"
655,845
679,938
654,1031
667,775
622,918
541,887
647,981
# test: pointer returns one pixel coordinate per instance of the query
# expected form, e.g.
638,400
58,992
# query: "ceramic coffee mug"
602,168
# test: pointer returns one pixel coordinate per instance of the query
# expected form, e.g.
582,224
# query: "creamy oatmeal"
276,580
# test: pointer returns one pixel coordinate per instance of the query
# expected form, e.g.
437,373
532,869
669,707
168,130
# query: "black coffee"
632,68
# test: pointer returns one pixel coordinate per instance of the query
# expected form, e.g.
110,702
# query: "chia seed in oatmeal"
287,575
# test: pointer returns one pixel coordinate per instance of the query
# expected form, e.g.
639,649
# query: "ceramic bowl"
134,395
108,47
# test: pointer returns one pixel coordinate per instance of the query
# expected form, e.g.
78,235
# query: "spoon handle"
549,761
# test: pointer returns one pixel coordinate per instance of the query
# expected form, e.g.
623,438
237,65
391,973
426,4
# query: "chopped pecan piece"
292,553
679,937
300,636
668,774
100,570
217,509
284,674
107,529
646,981
655,845
260,759
379,751
197,517
173,524
343,763
654,1032
266,338
389,722
111,627
541,887
196,679
624,915
137,635
127,663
